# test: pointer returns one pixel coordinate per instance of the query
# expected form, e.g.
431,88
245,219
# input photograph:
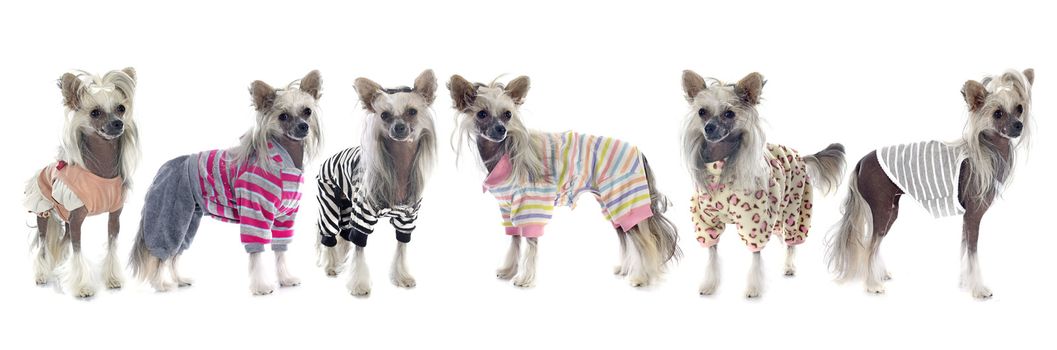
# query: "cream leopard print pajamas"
783,208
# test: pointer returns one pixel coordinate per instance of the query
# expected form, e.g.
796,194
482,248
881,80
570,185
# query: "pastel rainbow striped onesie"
574,163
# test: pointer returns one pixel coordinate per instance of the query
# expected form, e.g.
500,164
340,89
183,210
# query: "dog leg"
790,261
711,282
286,279
360,279
526,277
257,284
970,237
174,269
155,272
399,274
111,268
78,272
755,285
625,265
509,267
42,267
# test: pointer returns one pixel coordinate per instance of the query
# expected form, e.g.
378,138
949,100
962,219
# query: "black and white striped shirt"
928,171
343,208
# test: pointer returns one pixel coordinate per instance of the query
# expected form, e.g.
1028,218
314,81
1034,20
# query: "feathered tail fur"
825,167
656,242
845,249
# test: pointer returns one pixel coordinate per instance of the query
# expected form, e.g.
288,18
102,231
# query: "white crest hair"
115,85
746,168
379,173
253,145
521,144
988,168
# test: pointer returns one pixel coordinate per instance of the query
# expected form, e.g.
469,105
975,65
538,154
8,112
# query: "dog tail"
657,240
333,259
825,167
844,246
138,258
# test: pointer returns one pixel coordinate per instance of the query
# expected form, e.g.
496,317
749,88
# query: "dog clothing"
574,163
928,171
782,208
343,208
65,187
264,201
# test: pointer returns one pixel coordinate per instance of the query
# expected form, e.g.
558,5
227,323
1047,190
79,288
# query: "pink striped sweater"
263,201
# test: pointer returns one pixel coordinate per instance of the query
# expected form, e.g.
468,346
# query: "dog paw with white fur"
506,273
524,281
360,289
404,281
113,283
289,281
981,292
877,288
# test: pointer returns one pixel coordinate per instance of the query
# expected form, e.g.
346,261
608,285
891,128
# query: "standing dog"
531,172
761,188
958,178
92,174
383,178
256,184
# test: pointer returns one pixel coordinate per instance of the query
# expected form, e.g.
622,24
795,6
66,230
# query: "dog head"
721,111
401,113
290,112
99,106
490,112
1000,105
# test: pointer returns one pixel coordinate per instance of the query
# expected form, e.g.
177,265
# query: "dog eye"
386,115
412,111
95,113
507,115
701,112
284,117
307,112
121,108
482,114
997,114
728,114
1020,109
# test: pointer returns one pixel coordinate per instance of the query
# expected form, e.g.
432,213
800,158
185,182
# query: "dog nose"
400,128
710,128
1018,126
117,124
302,126
500,129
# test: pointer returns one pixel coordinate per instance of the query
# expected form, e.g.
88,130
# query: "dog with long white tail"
255,184
91,176
382,178
531,172
946,178
761,188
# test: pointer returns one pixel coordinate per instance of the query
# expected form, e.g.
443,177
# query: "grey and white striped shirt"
928,171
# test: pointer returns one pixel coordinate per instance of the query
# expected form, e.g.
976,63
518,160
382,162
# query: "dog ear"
1030,74
692,84
750,87
71,91
131,72
312,83
368,91
975,95
462,91
518,89
426,86
263,95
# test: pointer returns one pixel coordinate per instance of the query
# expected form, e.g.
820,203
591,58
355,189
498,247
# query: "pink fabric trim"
513,231
499,174
531,231
634,217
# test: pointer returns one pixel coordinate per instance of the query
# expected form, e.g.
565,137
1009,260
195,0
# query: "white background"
863,75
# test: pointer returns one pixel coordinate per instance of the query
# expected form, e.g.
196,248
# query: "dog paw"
85,292
184,282
360,290
289,281
708,288
506,273
524,282
620,270
875,288
752,292
263,289
113,283
887,276
982,293
790,271
404,282
639,281
41,280
163,287
332,272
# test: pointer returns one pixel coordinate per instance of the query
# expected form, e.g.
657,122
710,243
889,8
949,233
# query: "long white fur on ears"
78,275
509,267
112,274
526,277
399,274
711,281
360,280
286,279
257,283
755,285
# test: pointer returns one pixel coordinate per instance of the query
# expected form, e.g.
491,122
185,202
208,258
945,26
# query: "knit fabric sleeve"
258,193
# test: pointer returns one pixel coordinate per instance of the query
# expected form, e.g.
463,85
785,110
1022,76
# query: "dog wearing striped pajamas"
761,188
383,178
90,176
255,184
531,172
946,178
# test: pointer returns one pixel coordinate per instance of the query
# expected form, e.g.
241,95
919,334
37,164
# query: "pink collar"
499,174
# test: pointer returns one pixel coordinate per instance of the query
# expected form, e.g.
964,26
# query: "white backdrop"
863,75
